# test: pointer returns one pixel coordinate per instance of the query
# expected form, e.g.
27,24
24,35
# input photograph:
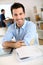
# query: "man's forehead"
18,9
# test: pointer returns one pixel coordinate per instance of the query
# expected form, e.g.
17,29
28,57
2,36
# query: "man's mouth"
19,19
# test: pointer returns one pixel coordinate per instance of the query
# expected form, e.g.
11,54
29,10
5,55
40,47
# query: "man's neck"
17,26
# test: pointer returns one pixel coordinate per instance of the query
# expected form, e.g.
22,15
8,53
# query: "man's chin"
19,25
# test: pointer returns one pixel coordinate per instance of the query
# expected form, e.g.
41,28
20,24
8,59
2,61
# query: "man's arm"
17,44
12,44
31,34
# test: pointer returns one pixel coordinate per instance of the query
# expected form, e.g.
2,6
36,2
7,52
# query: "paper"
28,52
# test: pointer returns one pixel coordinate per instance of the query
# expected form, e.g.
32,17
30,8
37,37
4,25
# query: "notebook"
25,52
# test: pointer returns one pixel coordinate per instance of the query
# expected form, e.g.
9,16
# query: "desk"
12,59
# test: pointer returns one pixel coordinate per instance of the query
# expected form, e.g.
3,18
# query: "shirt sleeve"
30,34
8,36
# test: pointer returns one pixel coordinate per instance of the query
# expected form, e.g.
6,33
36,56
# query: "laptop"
4,51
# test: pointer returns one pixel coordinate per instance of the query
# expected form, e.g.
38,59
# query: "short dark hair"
2,10
17,5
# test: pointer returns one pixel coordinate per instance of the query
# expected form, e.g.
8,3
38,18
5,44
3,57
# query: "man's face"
3,12
18,16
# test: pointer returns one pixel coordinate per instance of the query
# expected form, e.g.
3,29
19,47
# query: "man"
3,18
23,31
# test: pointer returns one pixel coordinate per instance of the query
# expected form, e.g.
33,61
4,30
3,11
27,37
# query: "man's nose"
18,17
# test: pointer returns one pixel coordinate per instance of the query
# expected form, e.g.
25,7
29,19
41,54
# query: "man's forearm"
12,44
8,44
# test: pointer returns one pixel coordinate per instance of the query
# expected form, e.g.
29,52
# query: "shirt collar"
23,27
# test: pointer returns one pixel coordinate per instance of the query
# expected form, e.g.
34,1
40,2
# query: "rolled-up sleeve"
30,34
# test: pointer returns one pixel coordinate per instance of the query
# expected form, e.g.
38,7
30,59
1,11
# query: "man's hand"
18,44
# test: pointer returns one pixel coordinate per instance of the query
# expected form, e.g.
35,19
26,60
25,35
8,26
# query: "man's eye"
20,13
15,14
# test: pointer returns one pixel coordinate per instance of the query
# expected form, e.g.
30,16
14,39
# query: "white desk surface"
12,60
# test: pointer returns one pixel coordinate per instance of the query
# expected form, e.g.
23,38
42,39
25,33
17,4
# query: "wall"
7,9
6,1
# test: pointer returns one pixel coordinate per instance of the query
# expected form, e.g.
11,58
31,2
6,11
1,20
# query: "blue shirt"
27,33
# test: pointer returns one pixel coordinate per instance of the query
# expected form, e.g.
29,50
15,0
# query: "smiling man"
22,30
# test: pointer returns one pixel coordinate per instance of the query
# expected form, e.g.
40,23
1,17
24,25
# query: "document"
28,52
